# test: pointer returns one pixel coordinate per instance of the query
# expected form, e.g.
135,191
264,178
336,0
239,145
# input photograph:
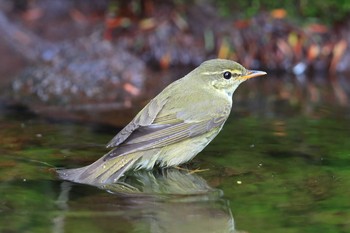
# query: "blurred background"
74,72
87,60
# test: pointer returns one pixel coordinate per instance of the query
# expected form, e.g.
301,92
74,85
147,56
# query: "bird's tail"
100,172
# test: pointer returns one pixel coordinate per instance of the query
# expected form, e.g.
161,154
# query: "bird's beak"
253,74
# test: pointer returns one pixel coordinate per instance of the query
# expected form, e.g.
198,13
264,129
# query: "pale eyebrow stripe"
220,72
216,72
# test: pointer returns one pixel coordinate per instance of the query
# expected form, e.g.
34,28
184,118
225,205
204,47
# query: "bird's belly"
184,151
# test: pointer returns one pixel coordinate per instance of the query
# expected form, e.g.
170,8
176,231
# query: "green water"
281,164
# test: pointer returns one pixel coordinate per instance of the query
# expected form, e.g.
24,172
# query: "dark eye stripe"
228,75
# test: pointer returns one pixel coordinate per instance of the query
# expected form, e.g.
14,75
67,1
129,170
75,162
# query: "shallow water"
281,164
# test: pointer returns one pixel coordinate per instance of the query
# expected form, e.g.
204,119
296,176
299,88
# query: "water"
281,164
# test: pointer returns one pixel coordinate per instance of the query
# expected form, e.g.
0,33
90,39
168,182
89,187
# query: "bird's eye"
227,75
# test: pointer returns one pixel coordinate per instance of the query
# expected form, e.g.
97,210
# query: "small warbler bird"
173,127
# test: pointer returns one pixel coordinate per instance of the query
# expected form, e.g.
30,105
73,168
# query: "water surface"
281,164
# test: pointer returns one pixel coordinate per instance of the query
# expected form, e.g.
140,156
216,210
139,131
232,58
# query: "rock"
74,78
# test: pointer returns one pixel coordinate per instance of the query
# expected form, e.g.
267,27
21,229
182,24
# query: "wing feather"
155,136
145,117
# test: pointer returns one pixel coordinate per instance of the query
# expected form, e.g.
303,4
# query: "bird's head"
225,75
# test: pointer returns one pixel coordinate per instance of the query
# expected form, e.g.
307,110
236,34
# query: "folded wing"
159,135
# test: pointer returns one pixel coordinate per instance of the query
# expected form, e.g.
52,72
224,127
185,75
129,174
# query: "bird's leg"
189,171
197,170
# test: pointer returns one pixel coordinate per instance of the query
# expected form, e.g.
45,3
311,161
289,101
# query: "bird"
173,127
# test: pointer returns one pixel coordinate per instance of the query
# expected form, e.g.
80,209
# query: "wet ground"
281,164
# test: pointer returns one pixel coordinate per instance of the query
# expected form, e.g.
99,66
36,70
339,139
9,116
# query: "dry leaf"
313,52
131,89
338,52
164,61
279,13
147,24
224,50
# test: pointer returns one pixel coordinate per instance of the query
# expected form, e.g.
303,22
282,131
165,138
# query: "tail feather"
100,172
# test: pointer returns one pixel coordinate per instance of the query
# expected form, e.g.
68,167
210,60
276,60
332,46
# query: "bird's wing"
144,118
158,135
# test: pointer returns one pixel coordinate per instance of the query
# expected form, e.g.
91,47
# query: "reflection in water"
162,182
169,200
58,222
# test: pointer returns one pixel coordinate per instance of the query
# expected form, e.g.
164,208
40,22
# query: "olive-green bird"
173,127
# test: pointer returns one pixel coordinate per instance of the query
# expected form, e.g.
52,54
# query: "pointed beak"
253,74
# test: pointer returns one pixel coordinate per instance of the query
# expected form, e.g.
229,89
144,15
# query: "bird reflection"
162,182
188,203
164,201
